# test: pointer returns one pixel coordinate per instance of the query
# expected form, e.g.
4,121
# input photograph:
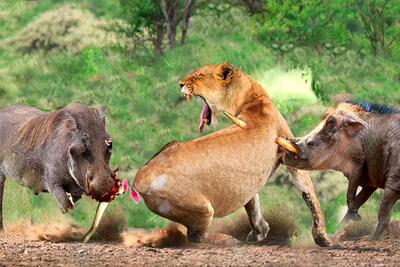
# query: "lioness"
191,182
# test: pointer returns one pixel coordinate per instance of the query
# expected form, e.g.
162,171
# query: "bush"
65,28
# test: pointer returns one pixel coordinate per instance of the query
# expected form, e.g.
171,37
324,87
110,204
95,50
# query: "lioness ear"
225,71
353,126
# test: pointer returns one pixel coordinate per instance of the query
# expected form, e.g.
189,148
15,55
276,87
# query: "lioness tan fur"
191,182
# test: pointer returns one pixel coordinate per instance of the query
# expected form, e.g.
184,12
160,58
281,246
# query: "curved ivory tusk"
288,145
99,214
242,124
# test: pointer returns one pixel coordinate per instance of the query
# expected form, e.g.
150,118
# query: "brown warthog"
191,182
65,152
362,141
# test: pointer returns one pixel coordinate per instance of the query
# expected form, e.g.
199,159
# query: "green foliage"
380,20
146,22
332,25
306,22
141,15
64,29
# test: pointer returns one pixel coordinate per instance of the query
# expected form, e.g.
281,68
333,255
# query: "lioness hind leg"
260,226
197,222
195,213
302,181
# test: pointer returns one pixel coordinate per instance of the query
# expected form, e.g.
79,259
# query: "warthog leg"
2,180
302,180
259,225
390,197
61,196
352,212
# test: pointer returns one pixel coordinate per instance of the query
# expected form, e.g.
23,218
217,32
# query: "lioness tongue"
204,115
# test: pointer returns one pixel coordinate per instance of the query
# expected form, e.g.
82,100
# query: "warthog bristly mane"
372,107
36,131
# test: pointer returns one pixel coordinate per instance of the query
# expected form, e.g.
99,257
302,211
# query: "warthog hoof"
350,216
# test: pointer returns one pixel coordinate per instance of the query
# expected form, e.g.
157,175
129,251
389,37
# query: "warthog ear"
102,117
101,113
225,71
352,125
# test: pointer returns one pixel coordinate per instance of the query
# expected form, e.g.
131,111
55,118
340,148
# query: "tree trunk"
157,41
187,13
170,10
254,6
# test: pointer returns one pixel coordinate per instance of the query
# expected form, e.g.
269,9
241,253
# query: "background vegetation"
128,56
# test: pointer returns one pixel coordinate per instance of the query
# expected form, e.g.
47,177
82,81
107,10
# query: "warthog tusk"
242,124
287,145
99,214
116,169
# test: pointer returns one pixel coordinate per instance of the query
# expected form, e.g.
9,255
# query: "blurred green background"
127,57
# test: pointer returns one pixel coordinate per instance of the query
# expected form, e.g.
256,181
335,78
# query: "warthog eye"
331,120
311,142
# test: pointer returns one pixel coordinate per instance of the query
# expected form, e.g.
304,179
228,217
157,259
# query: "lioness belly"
227,197
225,191
195,173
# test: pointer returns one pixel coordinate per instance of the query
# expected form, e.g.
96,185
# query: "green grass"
140,95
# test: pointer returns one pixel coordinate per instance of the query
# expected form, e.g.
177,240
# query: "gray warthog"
362,141
65,152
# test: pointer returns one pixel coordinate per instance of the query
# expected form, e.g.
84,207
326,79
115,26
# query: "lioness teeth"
187,97
287,145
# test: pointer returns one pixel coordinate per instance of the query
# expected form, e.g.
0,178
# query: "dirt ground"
17,250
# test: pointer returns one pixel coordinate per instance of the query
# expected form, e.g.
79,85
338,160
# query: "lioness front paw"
321,238
254,237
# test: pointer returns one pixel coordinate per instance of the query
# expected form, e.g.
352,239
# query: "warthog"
362,141
212,176
65,152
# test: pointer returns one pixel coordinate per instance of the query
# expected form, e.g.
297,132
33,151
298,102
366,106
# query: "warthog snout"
100,185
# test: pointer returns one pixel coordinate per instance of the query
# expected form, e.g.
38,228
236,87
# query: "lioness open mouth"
205,114
205,117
